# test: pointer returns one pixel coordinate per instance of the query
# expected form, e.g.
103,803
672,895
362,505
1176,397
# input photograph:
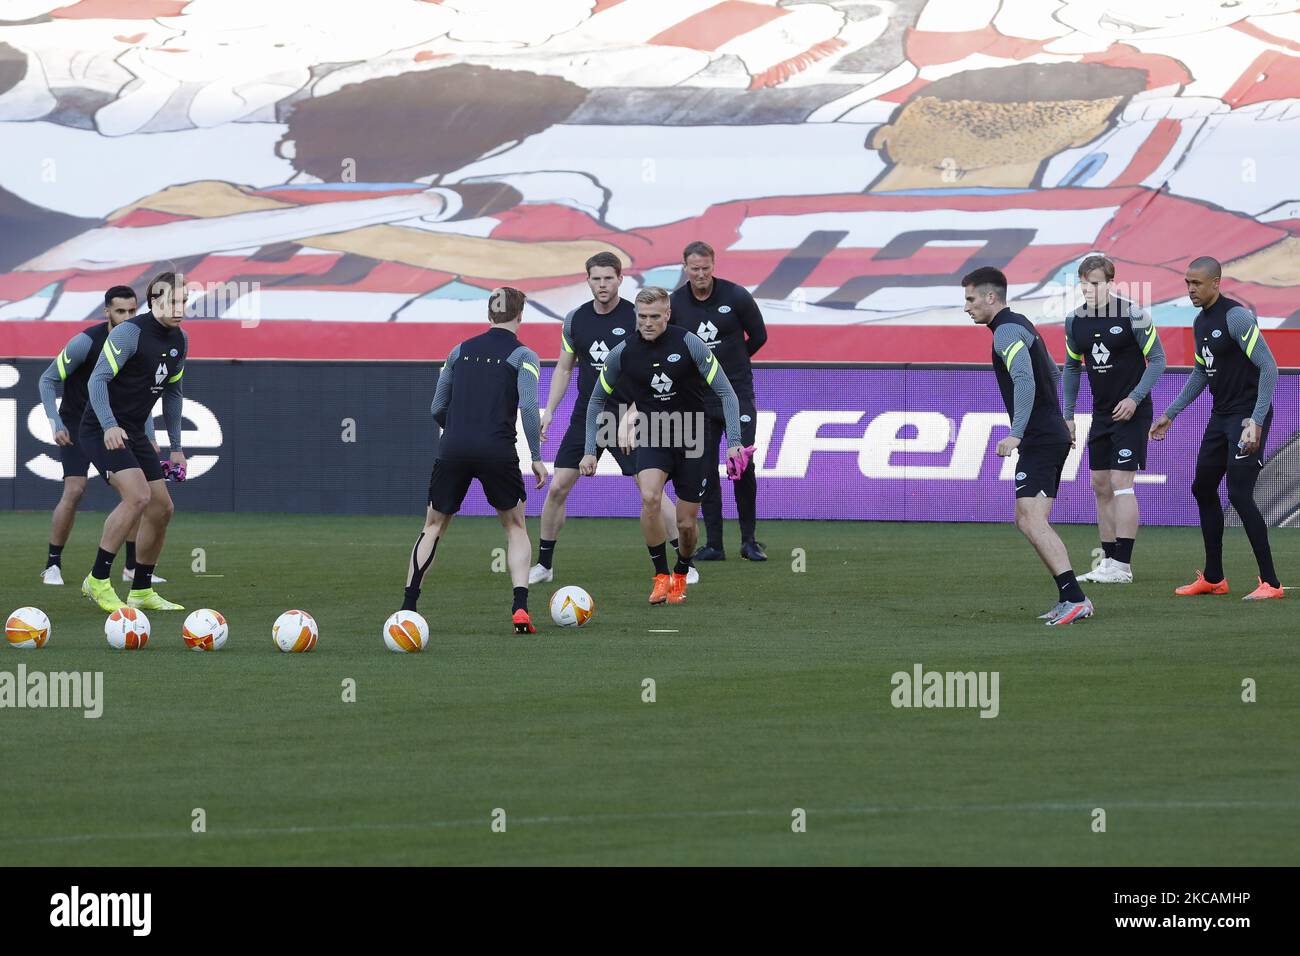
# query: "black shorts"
502,483
76,463
1118,446
1219,445
1038,470
685,470
574,445
136,452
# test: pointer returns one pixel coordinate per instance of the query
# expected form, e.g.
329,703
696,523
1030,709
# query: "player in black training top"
591,332
1234,360
1116,341
72,367
142,358
484,386
1027,379
665,370
725,316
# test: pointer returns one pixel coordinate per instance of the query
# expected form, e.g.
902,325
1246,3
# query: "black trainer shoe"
709,553
751,551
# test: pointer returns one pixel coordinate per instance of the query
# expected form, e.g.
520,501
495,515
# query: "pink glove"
172,472
736,466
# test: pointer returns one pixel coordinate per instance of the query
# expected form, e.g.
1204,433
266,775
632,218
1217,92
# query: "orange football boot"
1202,586
660,593
1261,593
676,588
523,623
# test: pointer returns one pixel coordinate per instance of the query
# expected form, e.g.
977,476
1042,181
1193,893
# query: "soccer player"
142,358
71,368
664,370
591,331
1027,379
485,382
726,318
1234,360
1116,340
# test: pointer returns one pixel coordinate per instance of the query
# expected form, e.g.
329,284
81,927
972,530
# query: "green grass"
774,694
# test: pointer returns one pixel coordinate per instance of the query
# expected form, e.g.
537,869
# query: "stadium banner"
896,443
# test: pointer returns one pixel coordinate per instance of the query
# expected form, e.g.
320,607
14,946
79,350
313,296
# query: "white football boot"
52,575
692,576
537,574
1112,572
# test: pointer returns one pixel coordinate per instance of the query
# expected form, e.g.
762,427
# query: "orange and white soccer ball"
294,632
27,627
127,629
205,630
406,632
571,606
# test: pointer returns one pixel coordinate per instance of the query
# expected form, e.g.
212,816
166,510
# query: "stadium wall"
901,442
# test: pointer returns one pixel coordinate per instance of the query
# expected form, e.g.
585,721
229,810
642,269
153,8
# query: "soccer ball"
406,632
571,606
294,632
205,630
27,627
127,629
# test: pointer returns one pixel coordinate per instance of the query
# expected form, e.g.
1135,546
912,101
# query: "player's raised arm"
1245,332
118,348
73,354
562,375
711,371
596,404
442,394
1012,343
1144,330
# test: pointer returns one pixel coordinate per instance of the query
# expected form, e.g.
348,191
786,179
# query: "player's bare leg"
135,493
65,514
688,535
553,518
422,552
1105,523
128,567
650,483
148,546
1032,520
518,551
670,510
1125,518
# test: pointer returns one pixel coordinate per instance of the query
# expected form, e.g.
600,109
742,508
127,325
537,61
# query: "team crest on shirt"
1216,333
724,309
674,357
173,353
618,331
744,418
1115,330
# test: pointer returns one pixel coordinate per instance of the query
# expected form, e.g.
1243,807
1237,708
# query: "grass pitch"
772,694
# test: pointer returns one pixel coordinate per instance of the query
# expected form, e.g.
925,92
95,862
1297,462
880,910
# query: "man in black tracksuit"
1027,378
726,318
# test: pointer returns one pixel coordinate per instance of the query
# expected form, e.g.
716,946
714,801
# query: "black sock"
1124,550
521,600
687,558
411,595
130,554
546,552
103,565
143,577
683,564
659,556
1068,586
1108,549
56,556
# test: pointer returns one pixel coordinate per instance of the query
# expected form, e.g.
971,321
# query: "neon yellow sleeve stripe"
1199,360
1012,352
176,377
1254,337
109,354
713,370
63,371
528,365
604,384
565,342
1071,352
1151,340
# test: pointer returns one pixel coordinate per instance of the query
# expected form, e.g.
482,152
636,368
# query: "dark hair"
987,275
1038,83
398,129
697,248
163,279
1097,262
505,305
1207,264
118,292
606,260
